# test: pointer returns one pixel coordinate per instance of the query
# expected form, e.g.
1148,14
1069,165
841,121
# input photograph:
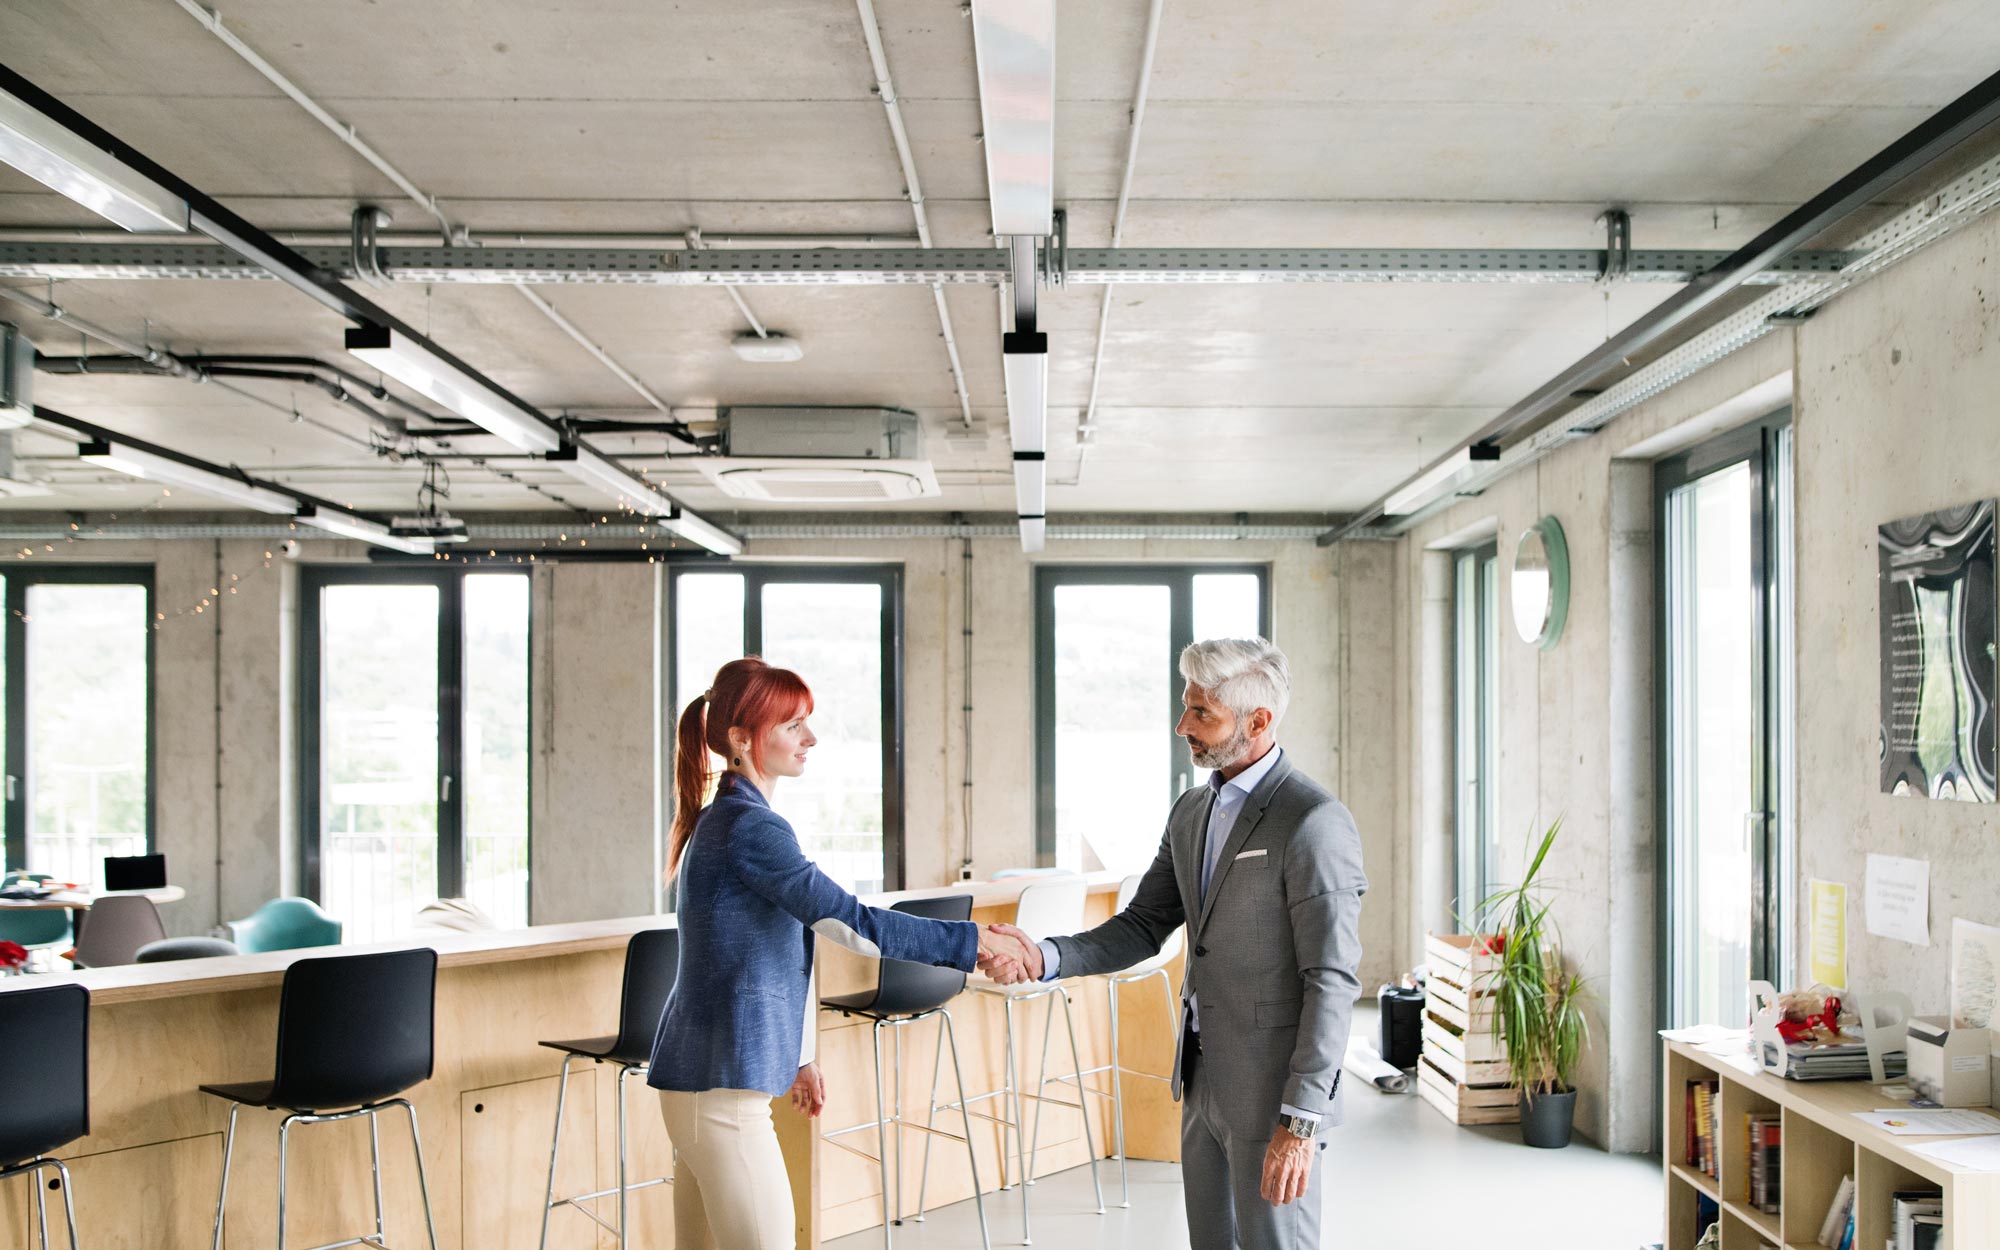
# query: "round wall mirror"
1539,587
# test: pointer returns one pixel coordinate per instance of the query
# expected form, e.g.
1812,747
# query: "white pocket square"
1253,854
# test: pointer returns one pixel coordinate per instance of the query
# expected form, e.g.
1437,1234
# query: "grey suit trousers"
1222,1175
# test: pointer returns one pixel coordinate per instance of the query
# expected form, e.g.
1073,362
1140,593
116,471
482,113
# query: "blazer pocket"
1283,1013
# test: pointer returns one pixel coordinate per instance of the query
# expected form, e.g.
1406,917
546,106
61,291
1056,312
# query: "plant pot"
1546,1119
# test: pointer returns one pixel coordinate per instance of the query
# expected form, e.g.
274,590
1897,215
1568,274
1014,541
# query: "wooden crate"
1468,1058
1467,1013
1466,1104
1459,958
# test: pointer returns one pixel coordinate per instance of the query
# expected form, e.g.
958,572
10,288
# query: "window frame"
1773,900
450,583
16,709
756,576
1473,869
1179,579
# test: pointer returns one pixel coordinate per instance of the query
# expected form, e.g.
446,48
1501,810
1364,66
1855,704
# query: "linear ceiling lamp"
1014,43
1024,360
64,161
586,465
348,525
703,532
1031,484
1034,533
424,369
153,467
1445,475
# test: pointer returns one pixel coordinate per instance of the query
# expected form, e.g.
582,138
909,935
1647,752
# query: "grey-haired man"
1264,867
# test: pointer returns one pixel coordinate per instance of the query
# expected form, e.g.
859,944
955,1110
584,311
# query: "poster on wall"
1938,641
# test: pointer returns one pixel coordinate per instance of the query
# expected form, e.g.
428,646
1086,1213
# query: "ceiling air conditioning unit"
821,456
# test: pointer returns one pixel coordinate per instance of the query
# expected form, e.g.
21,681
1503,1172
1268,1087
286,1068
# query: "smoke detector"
767,349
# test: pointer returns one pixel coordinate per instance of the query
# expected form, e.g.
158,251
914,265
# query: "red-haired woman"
749,902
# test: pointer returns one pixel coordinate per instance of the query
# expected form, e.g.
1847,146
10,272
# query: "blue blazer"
749,902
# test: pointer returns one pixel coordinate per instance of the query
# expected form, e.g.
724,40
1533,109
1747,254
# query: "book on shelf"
1927,1232
1766,1160
1905,1205
1701,1105
1839,1215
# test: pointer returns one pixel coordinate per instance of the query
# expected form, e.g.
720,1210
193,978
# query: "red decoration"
12,954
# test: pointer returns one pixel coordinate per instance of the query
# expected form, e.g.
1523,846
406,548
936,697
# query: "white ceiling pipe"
1086,429
871,32
676,241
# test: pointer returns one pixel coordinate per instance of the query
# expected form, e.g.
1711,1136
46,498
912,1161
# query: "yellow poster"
1829,934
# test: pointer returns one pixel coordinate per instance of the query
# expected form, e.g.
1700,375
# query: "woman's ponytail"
690,777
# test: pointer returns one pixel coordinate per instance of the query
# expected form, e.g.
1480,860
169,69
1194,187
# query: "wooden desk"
80,900
146,1176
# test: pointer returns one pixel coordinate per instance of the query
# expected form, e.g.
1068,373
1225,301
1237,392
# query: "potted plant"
1538,1004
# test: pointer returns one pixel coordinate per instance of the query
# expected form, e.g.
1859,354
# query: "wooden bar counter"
146,1175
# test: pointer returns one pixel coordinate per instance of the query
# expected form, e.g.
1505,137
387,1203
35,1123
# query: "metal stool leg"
1041,1088
222,1197
1082,1102
1020,1144
42,1207
624,1193
69,1202
1118,1102
930,1122
965,1117
423,1181
284,1137
896,1077
375,1170
555,1144
881,1131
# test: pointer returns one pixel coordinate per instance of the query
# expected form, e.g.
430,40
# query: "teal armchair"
285,924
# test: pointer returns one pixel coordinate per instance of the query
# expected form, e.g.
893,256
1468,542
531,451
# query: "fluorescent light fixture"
1034,533
1434,481
767,349
64,161
157,468
587,465
1024,360
697,529
422,368
1031,480
346,525
1014,43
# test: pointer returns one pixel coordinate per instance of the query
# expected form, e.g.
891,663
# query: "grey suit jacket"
1272,951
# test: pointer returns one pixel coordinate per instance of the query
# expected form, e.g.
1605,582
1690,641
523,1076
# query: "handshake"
1008,955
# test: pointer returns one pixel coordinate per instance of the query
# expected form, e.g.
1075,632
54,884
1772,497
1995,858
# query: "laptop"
135,872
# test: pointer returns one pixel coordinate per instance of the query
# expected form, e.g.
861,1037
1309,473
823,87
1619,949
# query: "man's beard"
1224,753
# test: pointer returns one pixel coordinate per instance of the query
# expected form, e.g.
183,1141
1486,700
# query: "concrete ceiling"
1316,124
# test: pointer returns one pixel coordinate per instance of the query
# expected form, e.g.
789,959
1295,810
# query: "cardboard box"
1951,1067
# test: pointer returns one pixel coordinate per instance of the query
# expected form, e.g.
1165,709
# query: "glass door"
78,727
415,742
1724,515
1108,693
839,629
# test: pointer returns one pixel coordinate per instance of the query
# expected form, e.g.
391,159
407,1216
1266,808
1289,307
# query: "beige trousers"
730,1187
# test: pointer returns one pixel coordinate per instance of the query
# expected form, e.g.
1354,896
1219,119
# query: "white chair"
1141,971
1045,908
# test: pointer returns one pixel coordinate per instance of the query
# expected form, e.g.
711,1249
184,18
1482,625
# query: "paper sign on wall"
1899,898
1975,975
1829,933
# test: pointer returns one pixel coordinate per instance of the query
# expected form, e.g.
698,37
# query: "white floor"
1397,1175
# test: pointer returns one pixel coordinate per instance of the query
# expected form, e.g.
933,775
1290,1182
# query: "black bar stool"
652,962
905,993
354,1032
53,1109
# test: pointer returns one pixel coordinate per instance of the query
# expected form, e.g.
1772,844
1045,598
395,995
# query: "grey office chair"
114,929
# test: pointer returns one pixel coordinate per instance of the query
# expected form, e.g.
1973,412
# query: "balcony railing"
79,857
376,882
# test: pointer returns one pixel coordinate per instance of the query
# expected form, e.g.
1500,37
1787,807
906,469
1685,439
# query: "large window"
1475,727
1726,559
1107,696
78,648
414,744
840,629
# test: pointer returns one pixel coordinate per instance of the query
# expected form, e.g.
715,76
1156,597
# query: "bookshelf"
1822,1143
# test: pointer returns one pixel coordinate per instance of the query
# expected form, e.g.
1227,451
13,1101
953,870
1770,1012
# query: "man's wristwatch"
1299,1126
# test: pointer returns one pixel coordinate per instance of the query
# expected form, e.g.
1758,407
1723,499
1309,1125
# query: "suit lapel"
1246,824
1188,871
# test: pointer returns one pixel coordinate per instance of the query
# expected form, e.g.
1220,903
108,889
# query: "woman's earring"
738,761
